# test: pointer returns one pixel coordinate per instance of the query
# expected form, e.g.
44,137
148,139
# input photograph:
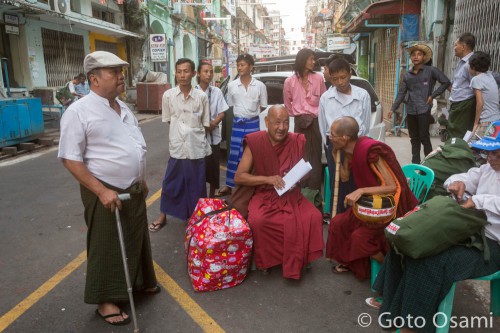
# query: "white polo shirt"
334,105
188,117
247,102
218,105
110,145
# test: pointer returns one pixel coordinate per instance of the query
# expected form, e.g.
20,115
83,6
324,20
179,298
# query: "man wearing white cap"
103,148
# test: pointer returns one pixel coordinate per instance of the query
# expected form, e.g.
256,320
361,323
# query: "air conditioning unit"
60,6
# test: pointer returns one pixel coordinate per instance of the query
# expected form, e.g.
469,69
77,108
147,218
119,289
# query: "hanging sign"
338,43
158,47
11,24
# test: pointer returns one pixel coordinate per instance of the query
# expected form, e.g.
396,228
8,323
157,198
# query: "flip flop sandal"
340,269
154,227
155,290
223,193
125,321
374,302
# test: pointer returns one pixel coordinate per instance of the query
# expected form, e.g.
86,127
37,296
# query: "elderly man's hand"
110,200
468,203
276,181
457,189
352,197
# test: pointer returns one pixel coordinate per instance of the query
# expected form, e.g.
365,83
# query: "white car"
275,82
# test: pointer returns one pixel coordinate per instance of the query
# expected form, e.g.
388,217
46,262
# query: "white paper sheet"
293,176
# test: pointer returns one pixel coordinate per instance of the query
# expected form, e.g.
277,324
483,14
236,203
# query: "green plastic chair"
420,178
328,192
443,323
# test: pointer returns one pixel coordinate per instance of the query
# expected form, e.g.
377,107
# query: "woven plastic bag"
218,246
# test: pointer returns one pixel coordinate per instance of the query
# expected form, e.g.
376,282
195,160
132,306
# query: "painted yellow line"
206,323
44,289
153,198
198,315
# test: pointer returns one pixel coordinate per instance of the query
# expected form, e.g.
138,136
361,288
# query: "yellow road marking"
44,289
192,308
206,323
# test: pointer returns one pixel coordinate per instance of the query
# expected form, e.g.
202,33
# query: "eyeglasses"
491,154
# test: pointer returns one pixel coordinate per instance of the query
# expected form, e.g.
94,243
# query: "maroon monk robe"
287,230
350,241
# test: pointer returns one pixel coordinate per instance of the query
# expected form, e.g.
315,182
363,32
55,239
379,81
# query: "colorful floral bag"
218,246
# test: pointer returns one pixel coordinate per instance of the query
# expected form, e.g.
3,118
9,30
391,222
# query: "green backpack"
64,96
434,226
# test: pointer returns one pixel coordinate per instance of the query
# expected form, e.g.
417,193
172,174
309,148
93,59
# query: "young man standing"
418,84
218,107
187,112
342,99
301,95
248,97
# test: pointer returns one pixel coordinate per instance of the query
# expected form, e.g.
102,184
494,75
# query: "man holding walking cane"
103,148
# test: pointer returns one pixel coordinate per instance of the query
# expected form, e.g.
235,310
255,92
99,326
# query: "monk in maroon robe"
351,242
287,229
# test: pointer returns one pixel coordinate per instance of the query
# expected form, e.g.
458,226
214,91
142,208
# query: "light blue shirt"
334,105
82,88
460,88
489,89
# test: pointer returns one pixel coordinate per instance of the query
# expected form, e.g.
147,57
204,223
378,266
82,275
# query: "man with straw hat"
417,89
103,148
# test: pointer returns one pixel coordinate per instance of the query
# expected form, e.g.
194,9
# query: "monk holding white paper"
287,229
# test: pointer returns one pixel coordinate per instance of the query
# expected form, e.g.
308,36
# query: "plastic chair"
447,303
420,178
328,192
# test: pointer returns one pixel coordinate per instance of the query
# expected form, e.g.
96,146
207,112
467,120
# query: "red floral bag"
218,246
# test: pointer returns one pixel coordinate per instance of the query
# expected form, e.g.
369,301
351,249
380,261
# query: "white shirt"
188,116
218,105
334,105
484,185
247,102
110,145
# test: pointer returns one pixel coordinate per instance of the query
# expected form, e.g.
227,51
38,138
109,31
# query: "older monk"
287,229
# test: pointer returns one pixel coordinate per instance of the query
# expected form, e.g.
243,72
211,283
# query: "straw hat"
424,49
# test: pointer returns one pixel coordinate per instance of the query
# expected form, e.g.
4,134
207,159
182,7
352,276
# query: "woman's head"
304,61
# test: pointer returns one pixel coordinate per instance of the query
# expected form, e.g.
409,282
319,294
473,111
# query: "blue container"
21,120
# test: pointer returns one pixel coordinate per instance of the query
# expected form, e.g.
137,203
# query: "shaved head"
276,110
346,126
277,123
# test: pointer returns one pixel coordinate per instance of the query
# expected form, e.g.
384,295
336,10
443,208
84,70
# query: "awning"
382,12
75,20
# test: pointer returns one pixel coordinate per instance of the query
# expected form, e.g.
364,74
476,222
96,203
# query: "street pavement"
43,266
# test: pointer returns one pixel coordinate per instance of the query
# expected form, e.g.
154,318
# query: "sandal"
125,321
374,302
223,192
156,226
339,269
155,290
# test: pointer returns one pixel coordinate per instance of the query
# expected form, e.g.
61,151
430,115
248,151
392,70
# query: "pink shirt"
295,98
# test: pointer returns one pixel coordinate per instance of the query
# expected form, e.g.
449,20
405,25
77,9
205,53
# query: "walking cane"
336,187
122,197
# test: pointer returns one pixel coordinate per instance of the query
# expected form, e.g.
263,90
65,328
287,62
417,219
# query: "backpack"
64,96
434,226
